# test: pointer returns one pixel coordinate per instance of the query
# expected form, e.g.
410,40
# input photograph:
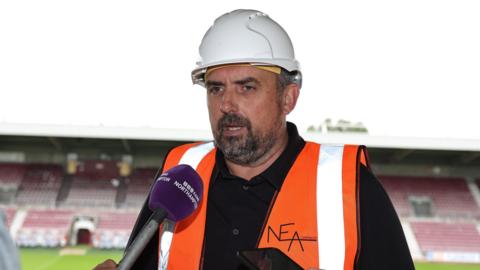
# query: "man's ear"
290,97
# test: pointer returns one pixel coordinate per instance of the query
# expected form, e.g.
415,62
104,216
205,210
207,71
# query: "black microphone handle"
141,240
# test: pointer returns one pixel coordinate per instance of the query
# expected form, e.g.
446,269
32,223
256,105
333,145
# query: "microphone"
175,195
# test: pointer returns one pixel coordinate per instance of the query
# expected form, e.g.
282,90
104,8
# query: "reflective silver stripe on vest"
191,157
331,236
165,241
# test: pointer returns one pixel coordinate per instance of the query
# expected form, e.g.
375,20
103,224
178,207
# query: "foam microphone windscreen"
178,191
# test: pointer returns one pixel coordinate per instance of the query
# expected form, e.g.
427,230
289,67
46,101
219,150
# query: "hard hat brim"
287,64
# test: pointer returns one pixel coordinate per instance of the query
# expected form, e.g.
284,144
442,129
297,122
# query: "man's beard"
240,149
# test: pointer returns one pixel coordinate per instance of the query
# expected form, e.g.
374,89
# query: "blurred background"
94,93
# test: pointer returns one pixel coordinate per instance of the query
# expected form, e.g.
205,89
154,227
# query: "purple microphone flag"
178,191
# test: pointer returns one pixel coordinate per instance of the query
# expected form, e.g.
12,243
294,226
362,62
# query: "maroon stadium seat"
450,197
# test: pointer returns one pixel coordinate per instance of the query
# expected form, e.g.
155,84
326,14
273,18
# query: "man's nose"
229,101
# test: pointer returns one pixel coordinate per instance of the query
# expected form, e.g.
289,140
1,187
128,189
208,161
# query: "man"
264,185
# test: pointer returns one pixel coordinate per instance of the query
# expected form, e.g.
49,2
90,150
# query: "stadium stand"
113,229
448,197
94,185
447,237
98,169
40,185
45,223
448,227
11,174
86,192
73,190
139,184
45,228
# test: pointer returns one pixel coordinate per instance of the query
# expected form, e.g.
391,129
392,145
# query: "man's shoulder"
359,147
334,144
197,147
186,146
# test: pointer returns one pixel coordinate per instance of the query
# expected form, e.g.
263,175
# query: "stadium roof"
164,134
455,156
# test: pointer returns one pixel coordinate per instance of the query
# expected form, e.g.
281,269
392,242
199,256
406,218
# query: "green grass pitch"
50,259
445,266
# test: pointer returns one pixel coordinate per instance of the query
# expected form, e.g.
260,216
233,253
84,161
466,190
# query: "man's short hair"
286,78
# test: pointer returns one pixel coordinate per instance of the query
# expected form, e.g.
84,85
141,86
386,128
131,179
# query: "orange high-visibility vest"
313,219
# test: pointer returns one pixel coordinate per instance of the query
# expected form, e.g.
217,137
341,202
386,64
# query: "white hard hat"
245,36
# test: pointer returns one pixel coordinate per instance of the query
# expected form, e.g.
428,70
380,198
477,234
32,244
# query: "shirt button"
235,231
245,187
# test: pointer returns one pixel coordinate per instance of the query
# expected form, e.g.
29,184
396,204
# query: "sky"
402,68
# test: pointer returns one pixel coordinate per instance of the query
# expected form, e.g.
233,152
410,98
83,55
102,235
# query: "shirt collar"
276,173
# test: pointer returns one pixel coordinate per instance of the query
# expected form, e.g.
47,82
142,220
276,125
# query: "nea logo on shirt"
287,233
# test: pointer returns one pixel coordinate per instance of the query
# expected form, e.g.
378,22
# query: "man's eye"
214,89
247,87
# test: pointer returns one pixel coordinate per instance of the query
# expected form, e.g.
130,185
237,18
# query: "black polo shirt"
237,209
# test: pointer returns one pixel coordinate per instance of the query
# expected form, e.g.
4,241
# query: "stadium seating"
450,197
86,192
97,169
45,228
446,237
113,229
11,174
40,185
139,184
94,184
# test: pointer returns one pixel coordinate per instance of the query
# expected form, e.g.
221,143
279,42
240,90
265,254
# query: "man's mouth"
233,128
232,125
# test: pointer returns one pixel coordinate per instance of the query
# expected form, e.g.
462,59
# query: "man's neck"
249,171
